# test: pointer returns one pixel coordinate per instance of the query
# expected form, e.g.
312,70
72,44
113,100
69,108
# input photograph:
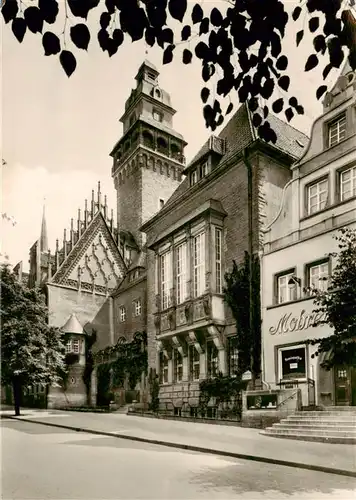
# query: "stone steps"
331,425
316,425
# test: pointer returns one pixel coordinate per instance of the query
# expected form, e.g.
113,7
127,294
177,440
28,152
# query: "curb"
199,449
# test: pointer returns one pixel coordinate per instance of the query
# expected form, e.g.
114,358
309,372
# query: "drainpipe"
250,251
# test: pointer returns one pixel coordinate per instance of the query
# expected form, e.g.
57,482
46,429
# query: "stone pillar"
222,361
202,366
170,371
185,369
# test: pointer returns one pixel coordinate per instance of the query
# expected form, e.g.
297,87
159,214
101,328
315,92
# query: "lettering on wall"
290,323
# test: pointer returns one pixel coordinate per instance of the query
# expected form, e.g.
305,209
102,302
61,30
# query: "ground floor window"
178,366
212,359
163,369
232,356
194,363
292,362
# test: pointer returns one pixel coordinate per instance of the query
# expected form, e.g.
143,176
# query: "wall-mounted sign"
247,375
290,323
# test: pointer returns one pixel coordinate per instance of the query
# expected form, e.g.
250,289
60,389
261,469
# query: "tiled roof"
72,325
214,144
239,133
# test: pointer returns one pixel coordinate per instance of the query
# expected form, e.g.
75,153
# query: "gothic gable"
94,263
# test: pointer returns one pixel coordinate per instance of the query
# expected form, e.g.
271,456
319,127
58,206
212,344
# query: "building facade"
319,199
194,239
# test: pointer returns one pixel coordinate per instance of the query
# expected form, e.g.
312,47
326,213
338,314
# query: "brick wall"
129,204
125,298
231,189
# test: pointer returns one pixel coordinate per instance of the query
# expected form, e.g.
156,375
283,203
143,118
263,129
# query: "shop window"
292,363
212,359
194,363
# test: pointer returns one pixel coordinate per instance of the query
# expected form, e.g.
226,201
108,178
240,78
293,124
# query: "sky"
57,132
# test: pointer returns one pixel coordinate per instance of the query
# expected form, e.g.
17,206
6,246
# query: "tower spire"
44,237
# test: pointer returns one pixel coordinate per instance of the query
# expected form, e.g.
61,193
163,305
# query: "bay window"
166,279
199,264
218,281
181,272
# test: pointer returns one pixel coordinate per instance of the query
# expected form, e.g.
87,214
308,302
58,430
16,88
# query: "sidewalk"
232,441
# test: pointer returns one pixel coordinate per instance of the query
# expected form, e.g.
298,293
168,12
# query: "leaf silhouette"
321,91
68,62
49,10
197,14
105,19
80,36
168,54
177,9
282,63
118,36
296,13
19,28
277,106
312,62
51,43
204,94
216,17
34,19
313,24
319,43
187,56
229,108
9,10
284,82
299,37
186,32
289,114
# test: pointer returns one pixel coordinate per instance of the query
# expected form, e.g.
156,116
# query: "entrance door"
343,385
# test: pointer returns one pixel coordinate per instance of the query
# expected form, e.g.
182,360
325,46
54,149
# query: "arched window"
162,145
148,139
158,93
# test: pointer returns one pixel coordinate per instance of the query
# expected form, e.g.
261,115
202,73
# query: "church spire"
44,238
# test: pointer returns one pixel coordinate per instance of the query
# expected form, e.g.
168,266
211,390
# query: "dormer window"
337,130
193,178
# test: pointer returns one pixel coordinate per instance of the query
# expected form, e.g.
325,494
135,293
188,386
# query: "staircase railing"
287,399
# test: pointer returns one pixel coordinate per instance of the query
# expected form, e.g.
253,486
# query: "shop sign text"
290,323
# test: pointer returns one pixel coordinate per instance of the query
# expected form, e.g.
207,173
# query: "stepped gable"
239,133
90,259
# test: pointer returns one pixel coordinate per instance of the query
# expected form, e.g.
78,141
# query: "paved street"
40,462
234,439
